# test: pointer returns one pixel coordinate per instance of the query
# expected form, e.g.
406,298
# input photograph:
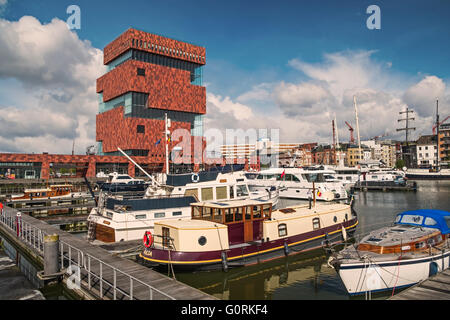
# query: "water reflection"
307,276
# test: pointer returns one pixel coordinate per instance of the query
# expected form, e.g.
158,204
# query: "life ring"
148,239
195,177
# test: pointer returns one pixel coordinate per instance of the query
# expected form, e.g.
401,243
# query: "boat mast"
337,141
167,143
357,129
139,167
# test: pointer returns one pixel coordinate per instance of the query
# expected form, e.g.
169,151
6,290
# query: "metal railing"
95,273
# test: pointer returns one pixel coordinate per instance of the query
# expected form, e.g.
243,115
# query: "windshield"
314,177
241,190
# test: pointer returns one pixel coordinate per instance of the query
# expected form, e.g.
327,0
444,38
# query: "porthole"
202,240
335,219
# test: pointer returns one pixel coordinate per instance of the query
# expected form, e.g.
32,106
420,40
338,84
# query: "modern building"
149,76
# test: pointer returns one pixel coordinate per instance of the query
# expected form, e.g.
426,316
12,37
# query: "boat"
297,183
123,183
415,247
126,218
428,174
226,234
51,192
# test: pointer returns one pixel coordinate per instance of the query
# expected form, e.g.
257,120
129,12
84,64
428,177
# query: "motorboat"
123,183
297,183
124,218
51,192
414,248
226,234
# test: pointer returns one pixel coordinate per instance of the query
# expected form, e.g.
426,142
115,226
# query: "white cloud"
422,96
56,74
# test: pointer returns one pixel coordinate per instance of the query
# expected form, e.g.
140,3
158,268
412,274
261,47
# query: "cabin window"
419,245
282,230
231,192
248,213
229,215
266,210
221,193
346,217
160,214
191,192
218,215
165,237
202,240
207,194
197,212
316,223
177,213
241,190
256,212
430,221
238,214
335,219
44,194
208,213
140,216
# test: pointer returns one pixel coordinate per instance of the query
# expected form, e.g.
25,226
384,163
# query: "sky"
290,66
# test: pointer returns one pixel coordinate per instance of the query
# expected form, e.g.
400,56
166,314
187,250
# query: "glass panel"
208,213
221,193
241,190
266,210
229,215
257,212
218,215
191,192
197,212
238,214
207,194
248,213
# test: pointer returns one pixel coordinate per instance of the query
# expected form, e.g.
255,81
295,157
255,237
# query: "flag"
319,193
157,142
282,175
168,140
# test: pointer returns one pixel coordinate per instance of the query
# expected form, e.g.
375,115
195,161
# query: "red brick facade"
168,88
155,44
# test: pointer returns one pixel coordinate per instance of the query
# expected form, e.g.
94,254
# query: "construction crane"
380,136
350,128
434,127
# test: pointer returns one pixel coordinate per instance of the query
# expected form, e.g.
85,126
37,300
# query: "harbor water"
307,276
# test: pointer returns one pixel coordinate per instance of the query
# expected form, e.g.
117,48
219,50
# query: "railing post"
114,283
131,288
101,280
89,272
18,218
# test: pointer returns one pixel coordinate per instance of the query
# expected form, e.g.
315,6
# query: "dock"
436,287
96,273
384,187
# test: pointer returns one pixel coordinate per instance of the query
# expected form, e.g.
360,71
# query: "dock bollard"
51,248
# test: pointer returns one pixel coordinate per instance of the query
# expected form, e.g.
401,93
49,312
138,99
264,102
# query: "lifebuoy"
148,239
195,177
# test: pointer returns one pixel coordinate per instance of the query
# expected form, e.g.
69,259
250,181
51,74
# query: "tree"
400,163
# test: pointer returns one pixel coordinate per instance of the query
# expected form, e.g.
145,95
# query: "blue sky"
260,37
260,54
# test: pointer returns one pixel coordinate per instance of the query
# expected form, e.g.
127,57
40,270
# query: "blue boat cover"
441,219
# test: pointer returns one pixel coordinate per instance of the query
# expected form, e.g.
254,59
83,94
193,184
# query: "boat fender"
286,249
148,239
195,177
224,261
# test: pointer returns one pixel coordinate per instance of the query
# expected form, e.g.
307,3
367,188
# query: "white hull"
359,278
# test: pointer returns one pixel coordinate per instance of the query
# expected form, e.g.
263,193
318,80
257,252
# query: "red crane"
434,127
350,128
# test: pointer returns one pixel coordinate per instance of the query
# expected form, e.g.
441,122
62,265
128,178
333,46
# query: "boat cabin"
244,218
53,191
414,231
